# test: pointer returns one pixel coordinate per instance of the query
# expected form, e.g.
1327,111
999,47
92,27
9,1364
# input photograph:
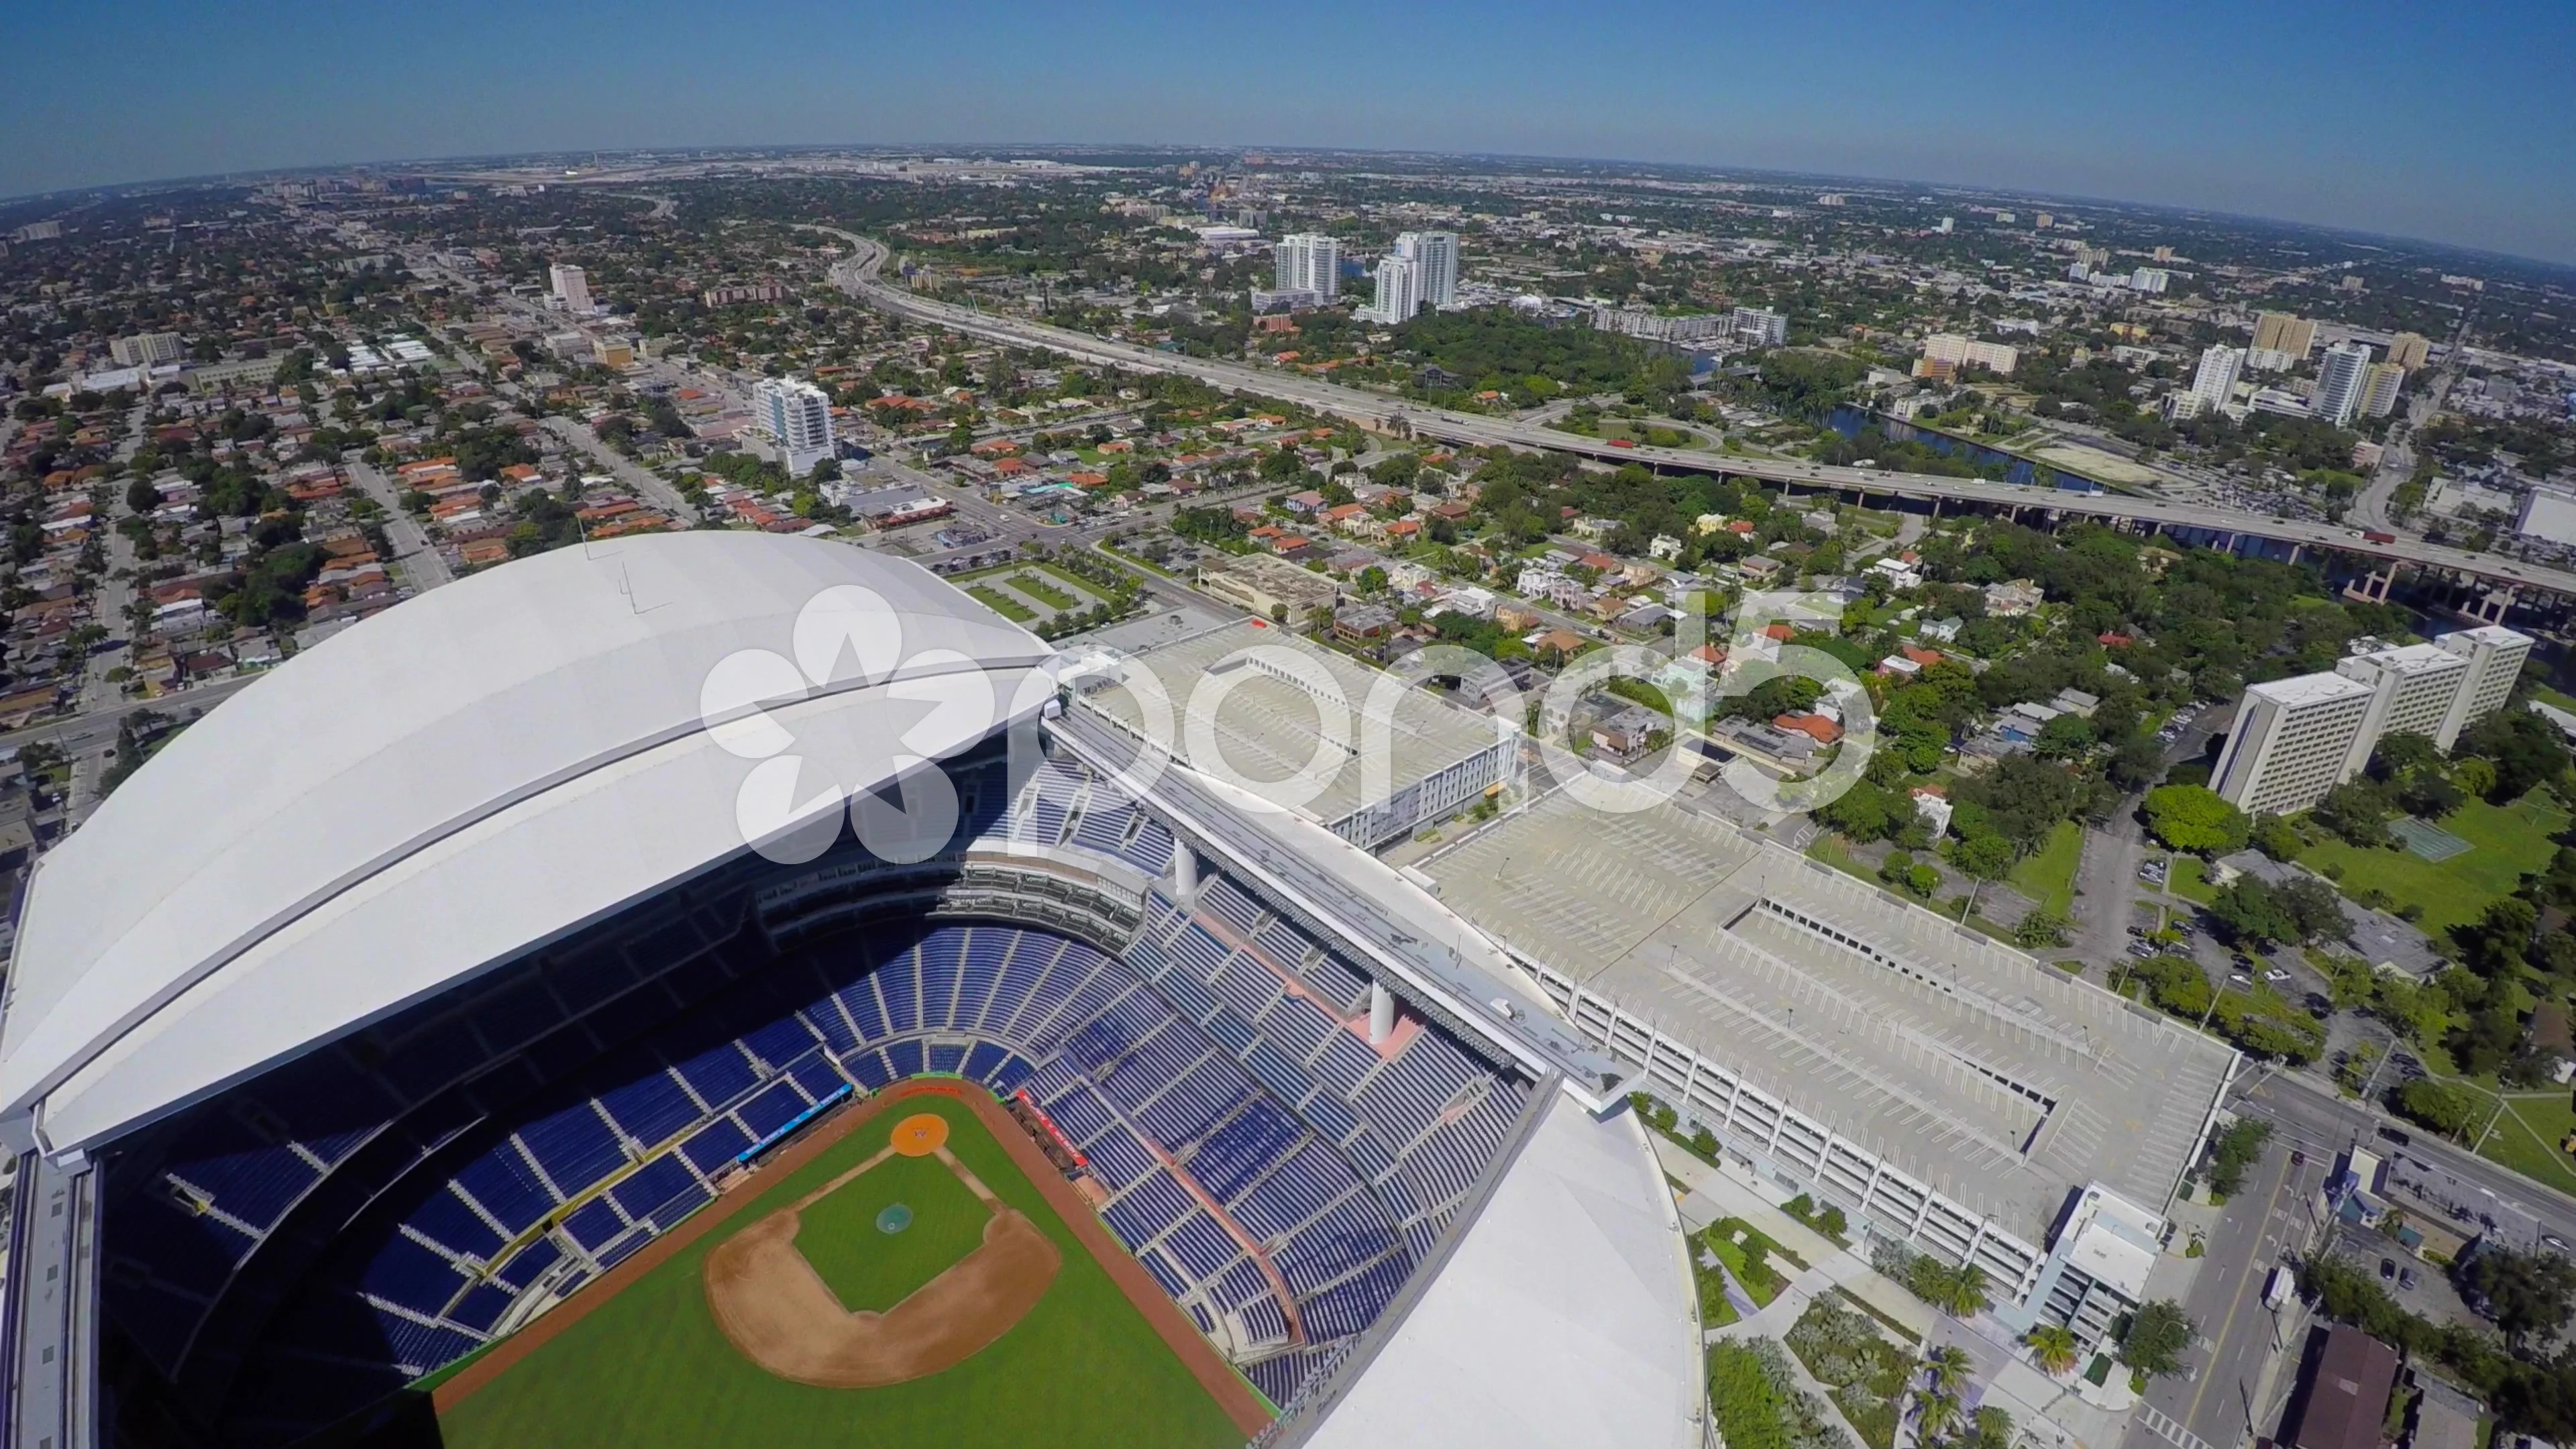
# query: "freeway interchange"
857,275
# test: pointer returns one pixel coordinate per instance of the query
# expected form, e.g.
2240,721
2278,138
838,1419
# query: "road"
2397,463
857,275
423,566
647,484
94,730
2306,1114
2221,1401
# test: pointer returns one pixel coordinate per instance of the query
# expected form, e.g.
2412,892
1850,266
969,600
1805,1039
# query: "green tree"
2040,929
2155,1338
2529,1295
2067,737
2446,1109
2194,818
2053,1345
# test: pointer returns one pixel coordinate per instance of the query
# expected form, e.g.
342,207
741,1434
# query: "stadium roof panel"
1563,1317
480,769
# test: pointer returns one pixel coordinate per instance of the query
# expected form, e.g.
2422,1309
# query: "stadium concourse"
478,948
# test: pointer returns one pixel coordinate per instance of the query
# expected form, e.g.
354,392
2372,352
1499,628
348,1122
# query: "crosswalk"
2169,1429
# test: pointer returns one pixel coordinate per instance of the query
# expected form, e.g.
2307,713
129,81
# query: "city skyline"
2456,151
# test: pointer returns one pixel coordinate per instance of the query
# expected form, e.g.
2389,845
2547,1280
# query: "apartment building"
1760,328
2215,384
571,287
1308,262
2413,687
147,349
1960,351
2282,332
2295,739
2496,655
1399,289
1434,255
2381,382
2410,350
2343,376
2292,742
798,415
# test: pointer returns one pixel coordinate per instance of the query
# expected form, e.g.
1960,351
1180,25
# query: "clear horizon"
2448,128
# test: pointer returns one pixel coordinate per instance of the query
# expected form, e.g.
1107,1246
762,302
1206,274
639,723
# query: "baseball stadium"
708,989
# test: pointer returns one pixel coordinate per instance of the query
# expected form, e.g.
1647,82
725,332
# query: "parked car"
2554,1242
2387,1268
2405,1277
2276,975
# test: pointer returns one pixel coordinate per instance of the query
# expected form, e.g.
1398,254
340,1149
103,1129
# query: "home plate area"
895,1269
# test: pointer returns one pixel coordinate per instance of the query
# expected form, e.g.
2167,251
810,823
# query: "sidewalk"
1719,1193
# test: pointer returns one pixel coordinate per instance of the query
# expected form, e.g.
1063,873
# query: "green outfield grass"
648,1369
2504,842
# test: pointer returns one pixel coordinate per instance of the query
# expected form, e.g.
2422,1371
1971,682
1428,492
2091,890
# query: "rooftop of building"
2301,689
1268,728
2414,658
1969,1066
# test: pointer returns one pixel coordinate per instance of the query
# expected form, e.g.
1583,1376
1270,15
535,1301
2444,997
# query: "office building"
2380,384
1760,328
1434,255
2215,384
2343,374
2495,656
2292,742
1307,262
1399,289
1653,326
1293,299
147,349
2152,280
2409,350
2164,255
2043,221
1948,225
1960,351
571,288
798,416
2412,690
2281,332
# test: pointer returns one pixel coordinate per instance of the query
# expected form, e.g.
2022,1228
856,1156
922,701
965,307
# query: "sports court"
898,1279
2426,841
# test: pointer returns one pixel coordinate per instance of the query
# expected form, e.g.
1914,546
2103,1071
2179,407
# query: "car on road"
2554,1242
2393,1135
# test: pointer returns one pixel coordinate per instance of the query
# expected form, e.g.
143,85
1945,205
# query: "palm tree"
1935,1413
2054,1346
1949,1365
1965,1293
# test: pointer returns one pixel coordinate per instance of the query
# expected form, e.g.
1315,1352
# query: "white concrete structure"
570,287
1961,351
466,798
1759,327
2214,385
2343,377
2495,656
798,416
1560,1320
2548,514
1434,255
1399,290
2292,742
1307,262
2413,689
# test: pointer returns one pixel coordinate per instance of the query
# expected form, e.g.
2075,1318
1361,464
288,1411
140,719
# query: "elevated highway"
857,275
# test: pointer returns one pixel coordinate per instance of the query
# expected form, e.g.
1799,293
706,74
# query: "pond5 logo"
846,638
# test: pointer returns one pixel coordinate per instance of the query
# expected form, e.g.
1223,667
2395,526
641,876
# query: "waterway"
1850,421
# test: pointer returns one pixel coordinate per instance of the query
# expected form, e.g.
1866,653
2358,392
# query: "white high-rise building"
2495,656
1399,289
1434,255
1760,328
2413,687
1308,262
2215,383
2292,742
2343,379
798,415
571,287
1949,224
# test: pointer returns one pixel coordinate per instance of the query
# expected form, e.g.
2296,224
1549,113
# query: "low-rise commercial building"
1269,587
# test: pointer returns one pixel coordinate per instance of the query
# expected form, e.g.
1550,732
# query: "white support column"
1185,873
1381,1014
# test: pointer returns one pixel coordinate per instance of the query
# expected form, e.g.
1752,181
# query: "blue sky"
2454,123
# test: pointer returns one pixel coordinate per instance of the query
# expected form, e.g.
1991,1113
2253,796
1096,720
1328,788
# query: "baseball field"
911,1274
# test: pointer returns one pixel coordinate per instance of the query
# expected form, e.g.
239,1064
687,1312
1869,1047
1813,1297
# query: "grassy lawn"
2190,879
1042,591
649,1368
2505,841
1830,849
1731,1253
1073,582
2047,875
1001,603
2526,1139
1123,556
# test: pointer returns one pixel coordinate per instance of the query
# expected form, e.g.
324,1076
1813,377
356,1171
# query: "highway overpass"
858,276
